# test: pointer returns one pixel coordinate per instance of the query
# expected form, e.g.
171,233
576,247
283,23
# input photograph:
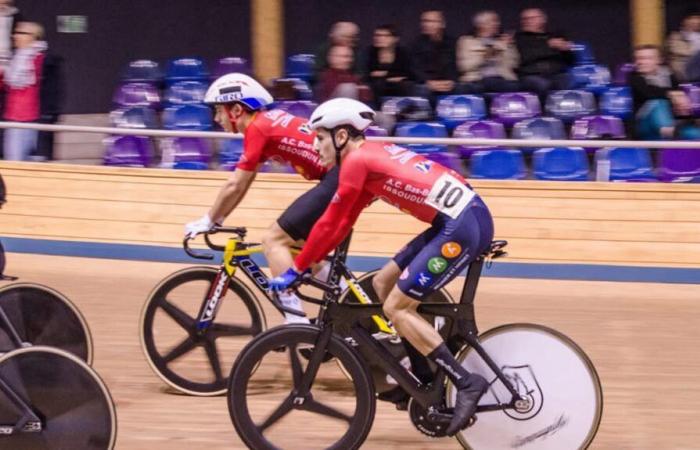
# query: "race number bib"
449,196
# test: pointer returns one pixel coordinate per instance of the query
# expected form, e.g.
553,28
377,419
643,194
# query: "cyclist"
240,105
461,229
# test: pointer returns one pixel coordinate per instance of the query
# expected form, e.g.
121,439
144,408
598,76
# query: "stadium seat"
291,89
454,109
539,128
300,108
137,94
186,69
570,104
143,71
422,129
482,129
629,164
231,64
598,127
583,53
676,164
407,108
185,153
447,159
560,164
513,107
185,93
229,153
187,117
134,117
693,92
591,77
300,66
617,101
622,73
498,164
131,151
377,131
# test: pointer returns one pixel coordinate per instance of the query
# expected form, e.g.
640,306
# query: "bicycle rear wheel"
43,316
565,399
266,378
72,401
188,360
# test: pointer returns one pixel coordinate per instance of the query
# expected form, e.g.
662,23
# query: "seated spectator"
341,33
388,66
433,55
682,45
544,57
338,80
24,84
486,60
661,109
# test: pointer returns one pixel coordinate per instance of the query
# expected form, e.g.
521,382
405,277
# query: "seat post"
472,281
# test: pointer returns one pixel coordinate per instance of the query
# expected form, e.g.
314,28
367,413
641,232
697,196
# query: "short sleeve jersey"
277,135
398,176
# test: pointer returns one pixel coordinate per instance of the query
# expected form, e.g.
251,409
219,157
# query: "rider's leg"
385,279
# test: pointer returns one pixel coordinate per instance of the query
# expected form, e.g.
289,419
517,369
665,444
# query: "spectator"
486,60
388,66
661,109
433,56
544,56
338,80
9,18
341,33
24,81
682,45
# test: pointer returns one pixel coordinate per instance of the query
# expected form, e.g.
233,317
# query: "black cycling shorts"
299,218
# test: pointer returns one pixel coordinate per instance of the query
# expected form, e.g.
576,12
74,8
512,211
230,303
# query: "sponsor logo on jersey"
274,114
437,265
305,128
423,166
404,274
451,249
424,279
415,292
336,198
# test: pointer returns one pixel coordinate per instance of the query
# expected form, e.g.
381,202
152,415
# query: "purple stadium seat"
137,94
622,73
513,107
501,164
186,153
185,93
617,101
483,129
560,164
693,92
627,164
271,166
679,164
131,151
539,128
598,127
143,71
569,105
299,108
454,109
376,131
134,117
231,64
447,159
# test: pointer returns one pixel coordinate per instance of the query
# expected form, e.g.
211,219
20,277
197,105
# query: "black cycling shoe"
397,396
467,399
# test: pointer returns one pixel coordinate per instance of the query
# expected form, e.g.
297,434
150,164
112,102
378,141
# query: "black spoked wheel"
190,361
72,402
382,381
264,398
43,316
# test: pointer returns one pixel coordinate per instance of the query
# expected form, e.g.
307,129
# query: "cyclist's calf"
385,280
276,243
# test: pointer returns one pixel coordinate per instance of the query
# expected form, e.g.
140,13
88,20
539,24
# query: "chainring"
419,416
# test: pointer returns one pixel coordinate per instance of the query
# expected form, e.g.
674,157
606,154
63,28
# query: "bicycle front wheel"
269,413
564,398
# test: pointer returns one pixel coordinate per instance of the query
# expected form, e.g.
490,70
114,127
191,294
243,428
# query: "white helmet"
238,88
342,111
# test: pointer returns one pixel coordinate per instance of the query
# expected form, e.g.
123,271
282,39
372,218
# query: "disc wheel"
43,316
73,403
190,361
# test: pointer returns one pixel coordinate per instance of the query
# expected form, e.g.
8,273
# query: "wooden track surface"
643,339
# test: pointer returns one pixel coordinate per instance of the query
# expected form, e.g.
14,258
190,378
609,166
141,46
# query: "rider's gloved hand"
202,225
286,280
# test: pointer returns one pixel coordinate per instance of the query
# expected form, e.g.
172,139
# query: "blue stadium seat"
185,93
569,105
539,128
143,71
513,107
591,77
482,129
632,164
617,101
134,117
583,53
187,117
186,69
186,153
454,109
501,164
407,108
231,64
129,151
560,164
229,153
447,159
422,129
300,66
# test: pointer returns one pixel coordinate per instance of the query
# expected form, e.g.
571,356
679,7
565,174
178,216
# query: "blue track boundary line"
504,269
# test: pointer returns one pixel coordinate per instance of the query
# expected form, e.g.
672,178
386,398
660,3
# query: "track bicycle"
544,391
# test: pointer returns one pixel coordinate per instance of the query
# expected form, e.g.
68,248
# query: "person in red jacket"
21,81
461,229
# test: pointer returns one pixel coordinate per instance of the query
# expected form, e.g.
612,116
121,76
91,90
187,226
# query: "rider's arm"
231,194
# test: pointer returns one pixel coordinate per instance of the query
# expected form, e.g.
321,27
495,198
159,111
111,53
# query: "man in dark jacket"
544,57
50,101
434,58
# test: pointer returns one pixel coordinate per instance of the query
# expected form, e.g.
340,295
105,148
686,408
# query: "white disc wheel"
564,399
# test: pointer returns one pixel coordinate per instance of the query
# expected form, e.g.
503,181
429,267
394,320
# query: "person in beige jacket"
486,60
682,45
